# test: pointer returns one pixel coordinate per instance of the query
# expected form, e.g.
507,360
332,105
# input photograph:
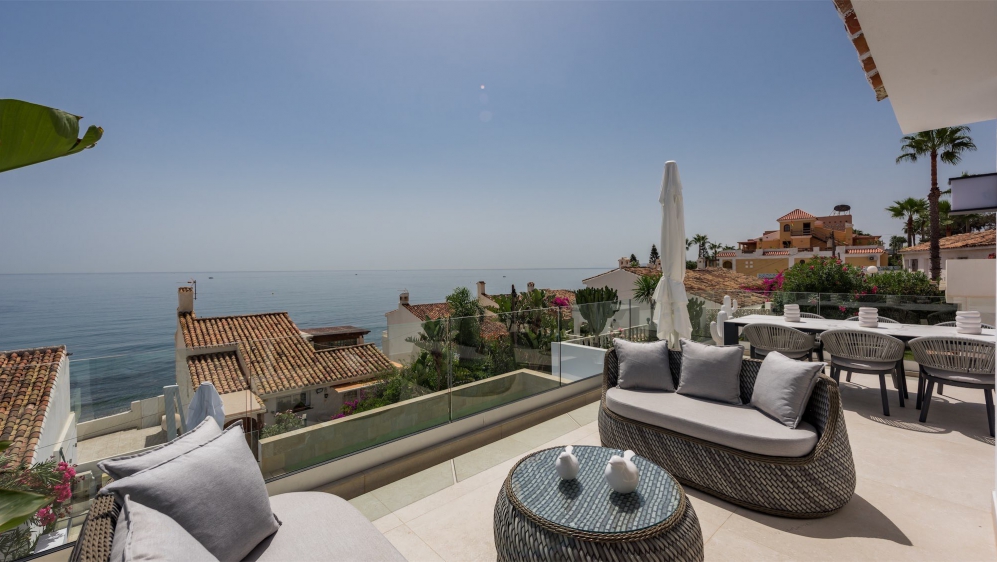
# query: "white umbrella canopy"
671,314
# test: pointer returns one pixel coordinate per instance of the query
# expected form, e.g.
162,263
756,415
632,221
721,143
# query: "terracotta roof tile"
968,240
854,30
775,252
726,254
864,251
796,214
713,283
26,380
431,311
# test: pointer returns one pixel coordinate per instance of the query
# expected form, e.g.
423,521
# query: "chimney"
185,296
481,289
403,298
530,287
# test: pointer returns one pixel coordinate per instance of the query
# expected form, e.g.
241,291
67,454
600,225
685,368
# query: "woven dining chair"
870,353
955,361
818,347
766,338
883,319
987,326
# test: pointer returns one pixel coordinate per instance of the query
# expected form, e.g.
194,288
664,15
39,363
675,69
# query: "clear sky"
363,135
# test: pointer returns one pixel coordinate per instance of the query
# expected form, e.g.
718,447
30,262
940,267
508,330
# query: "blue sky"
356,135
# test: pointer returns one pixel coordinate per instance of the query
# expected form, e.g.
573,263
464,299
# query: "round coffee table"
540,517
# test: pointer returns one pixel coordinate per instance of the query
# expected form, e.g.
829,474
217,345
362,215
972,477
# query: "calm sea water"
120,327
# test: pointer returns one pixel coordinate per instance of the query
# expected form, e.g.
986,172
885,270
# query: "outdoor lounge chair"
810,483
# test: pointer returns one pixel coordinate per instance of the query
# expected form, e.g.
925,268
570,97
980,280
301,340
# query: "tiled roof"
796,214
336,331
857,37
554,293
431,311
864,251
220,369
775,252
354,361
276,355
967,240
726,254
26,380
634,270
713,283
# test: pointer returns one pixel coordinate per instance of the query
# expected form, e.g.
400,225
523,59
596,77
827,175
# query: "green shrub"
823,275
902,282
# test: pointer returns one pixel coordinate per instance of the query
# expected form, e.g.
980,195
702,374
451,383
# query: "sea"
119,327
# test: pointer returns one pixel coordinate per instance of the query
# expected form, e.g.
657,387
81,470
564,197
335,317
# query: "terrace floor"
924,491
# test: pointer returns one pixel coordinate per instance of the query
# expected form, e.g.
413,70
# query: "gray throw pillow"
783,387
119,467
710,371
146,534
644,365
215,492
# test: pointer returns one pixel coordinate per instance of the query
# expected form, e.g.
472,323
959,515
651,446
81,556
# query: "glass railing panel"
906,309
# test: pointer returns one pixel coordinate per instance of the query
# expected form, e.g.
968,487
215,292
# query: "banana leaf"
32,133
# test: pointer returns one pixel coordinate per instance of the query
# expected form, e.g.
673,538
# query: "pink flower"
561,301
46,516
811,267
844,268
62,493
875,289
842,309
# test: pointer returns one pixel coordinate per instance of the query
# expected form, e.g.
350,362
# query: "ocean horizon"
119,327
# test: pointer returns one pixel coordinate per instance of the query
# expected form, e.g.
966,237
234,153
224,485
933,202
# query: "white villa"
968,246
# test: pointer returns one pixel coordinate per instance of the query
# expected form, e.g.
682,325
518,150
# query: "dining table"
903,332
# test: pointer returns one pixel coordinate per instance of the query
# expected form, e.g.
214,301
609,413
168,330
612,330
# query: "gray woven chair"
867,352
882,319
815,485
818,347
987,326
765,338
961,362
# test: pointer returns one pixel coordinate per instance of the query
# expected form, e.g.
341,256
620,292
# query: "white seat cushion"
739,427
319,526
956,376
862,364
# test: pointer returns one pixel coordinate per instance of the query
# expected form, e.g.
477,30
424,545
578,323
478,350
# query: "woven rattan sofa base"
816,485
517,537
94,542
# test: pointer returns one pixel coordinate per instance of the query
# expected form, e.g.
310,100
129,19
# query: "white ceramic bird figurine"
567,464
621,473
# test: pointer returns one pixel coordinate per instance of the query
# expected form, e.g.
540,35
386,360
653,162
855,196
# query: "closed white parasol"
671,314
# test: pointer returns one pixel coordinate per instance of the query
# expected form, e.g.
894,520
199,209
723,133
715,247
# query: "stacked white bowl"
791,313
968,322
868,317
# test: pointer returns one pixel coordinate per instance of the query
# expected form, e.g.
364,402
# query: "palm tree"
947,144
908,209
702,240
714,248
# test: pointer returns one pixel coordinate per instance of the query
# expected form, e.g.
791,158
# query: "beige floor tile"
387,523
411,546
592,439
462,529
488,456
586,414
729,546
569,438
546,431
412,488
370,506
711,512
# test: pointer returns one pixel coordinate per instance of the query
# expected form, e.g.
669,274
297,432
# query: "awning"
344,388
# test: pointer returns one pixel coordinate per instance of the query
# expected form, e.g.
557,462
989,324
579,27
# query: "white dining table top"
903,331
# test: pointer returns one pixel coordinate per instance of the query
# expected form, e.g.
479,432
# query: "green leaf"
4,445
17,507
32,133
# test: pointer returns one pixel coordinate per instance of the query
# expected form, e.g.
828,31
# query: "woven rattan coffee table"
540,517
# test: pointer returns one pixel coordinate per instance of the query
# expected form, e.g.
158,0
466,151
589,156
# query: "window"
293,402
787,244
785,228
803,261
806,228
913,265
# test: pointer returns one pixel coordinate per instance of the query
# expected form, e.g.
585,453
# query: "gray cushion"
783,387
644,365
146,534
797,355
956,376
739,427
862,364
215,492
318,526
711,372
119,467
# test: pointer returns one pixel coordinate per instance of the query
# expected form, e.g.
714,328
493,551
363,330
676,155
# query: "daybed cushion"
783,387
146,534
318,526
739,427
215,492
644,365
119,467
710,371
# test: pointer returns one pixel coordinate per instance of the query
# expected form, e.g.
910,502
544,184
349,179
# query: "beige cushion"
318,526
739,427
956,376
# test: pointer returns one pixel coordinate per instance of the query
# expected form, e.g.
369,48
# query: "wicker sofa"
813,485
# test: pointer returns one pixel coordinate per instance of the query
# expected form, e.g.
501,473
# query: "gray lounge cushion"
119,467
318,526
146,534
739,427
862,364
215,492
644,365
783,387
711,372
957,376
